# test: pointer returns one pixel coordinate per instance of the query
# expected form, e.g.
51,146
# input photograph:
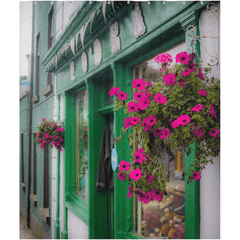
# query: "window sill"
48,90
79,207
44,214
23,187
35,98
33,199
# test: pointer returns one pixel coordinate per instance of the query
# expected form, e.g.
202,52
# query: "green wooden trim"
79,208
132,235
192,201
106,109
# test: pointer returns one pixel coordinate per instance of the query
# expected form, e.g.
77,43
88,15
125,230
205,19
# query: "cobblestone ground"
24,231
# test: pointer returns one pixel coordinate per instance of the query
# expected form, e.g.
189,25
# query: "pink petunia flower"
176,123
200,74
162,57
59,149
140,150
197,108
196,175
124,166
186,72
202,92
185,119
132,107
198,131
134,120
55,125
39,134
114,91
43,119
127,123
148,122
183,57
139,84
136,174
130,191
53,142
164,133
156,132
56,137
60,139
122,95
181,83
191,66
48,124
214,132
159,98
39,140
138,157
145,197
149,178
143,103
169,79
121,176
138,95
212,111
156,195
52,137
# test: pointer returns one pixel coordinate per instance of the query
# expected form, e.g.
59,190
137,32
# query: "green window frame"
77,205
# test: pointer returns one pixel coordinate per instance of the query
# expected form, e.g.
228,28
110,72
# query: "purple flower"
139,84
136,174
132,107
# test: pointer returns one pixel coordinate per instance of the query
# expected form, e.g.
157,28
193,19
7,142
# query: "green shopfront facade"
105,45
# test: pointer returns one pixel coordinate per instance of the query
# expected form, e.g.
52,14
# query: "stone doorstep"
44,214
33,198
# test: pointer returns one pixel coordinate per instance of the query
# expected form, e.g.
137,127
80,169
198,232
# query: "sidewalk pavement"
24,231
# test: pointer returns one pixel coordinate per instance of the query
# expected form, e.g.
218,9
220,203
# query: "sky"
25,35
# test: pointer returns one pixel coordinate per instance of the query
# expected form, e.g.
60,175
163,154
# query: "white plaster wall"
77,229
210,181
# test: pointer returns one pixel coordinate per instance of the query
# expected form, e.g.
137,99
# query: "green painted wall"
24,119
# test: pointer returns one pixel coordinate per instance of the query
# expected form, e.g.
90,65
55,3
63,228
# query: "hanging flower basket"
51,133
180,108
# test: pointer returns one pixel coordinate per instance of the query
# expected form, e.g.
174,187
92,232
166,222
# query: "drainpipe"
30,122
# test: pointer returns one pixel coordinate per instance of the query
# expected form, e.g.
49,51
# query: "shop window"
81,144
166,218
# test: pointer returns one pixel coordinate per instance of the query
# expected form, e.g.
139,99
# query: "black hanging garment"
105,173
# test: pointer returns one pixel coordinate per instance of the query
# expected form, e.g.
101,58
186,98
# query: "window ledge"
44,214
35,98
23,187
33,198
48,90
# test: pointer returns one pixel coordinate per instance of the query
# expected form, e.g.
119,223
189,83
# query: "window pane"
81,128
164,219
